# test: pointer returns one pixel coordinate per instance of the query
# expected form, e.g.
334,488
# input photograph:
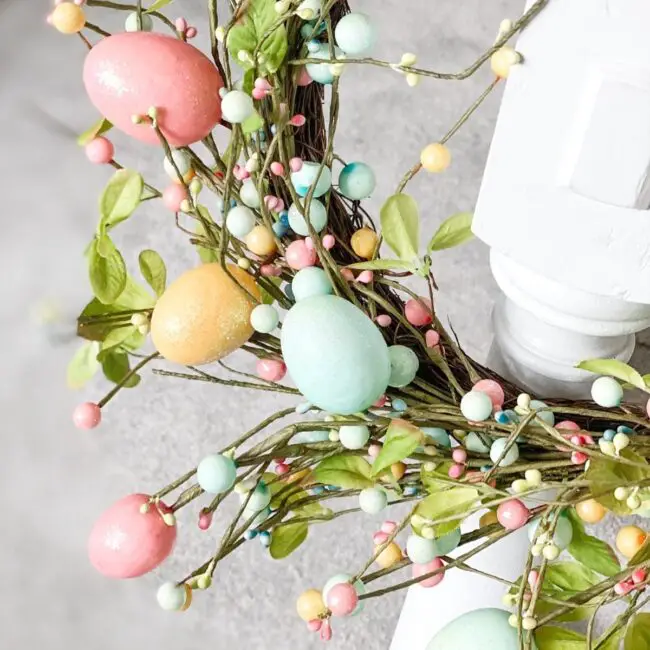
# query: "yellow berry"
364,242
68,18
435,157
590,511
398,470
260,241
488,519
310,605
391,555
503,60
629,540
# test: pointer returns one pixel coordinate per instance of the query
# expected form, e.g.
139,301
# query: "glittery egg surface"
125,543
127,74
482,629
335,354
204,315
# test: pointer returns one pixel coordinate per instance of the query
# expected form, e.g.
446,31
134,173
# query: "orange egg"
590,511
398,470
204,315
310,605
68,18
261,241
488,519
629,540
391,555
363,242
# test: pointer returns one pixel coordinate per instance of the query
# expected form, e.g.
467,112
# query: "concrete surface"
55,480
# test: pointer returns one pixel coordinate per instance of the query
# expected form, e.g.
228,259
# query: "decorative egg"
322,72
265,318
447,543
497,449
357,180
474,442
303,179
179,160
363,242
240,221
171,597
437,435
127,543
237,106
404,365
546,416
216,474
345,577
390,556
260,498
127,74
335,354
317,218
354,436
355,34
68,18
482,629
373,500
131,23
561,537
419,570
493,390
204,315
476,406
249,195
607,392
310,281
420,550
310,605
261,241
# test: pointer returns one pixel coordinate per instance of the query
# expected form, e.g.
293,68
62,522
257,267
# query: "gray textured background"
55,480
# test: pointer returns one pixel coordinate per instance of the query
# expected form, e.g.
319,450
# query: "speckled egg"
357,181
204,315
335,354
127,543
303,179
126,74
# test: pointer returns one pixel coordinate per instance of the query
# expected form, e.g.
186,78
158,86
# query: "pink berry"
279,206
587,439
381,402
258,93
418,314
459,455
298,256
576,440
281,469
100,151
191,32
533,578
347,275
493,390
180,24
432,338
270,270
303,77
87,416
639,576
263,84
623,588
205,519
373,450
342,599
388,527
279,460
380,538
309,242
298,120
295,164
271,201
329,242
326,631
456,471
568,424
271,369
365,277
579,458
277,168
384,320
419,570
173,196
315,625
512,514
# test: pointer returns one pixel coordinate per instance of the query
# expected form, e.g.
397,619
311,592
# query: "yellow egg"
629,540
260,241
363,242
310,605
503,60
590,511
398,470
435,157
204,315
391,555
488,519
68,18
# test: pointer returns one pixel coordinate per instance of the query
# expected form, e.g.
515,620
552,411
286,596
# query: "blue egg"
250,534
404,365
476,406
310,436
284,218
335,354
303,180
356,34
438,435
264,318
216,474
546,416
260,498
311,281
280,229
259,519
479,444
609,434
357,181
317,218
502,417
399,405
321,72
447,543
497,448
482,629
626,430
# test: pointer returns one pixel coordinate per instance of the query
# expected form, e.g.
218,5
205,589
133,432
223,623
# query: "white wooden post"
564,206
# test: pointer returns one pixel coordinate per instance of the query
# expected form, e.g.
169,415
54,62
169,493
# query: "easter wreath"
398,413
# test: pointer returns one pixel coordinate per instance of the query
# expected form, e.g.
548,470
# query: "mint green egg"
437,435
317,217
356,34
357,181
482,629
303,437
474,442
303,179
335,354
447,543
310,281
561,537
322,72
404,365
547,416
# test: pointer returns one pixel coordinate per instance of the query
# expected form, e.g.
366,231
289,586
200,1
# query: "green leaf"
157,5
248,82
559,638
207,255
400,226
431,478
115,339
153,270
642,555
637,636
453,231
97,129
614,641
344,471
456,501
267,298
83,365
105,246
591,551
402,439
384,265
569,576
260,17
107,274
613,368
115,366
252,123
286,539
120,198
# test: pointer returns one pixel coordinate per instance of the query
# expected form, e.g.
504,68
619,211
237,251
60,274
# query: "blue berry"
280,229
502,417
399,405
250,534
626,430
486,468
609,434
265,538
284,218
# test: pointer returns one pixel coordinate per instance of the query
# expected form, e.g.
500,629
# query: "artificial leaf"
454,231
105,245
97,129
267,298
107,274
591,551
550,637
613,368
135,296
384,265
83,365
115,366
637,636
343,471
401,440
207,255
456,501
153,270
431,478
612,643
642,555
115,339
157,5
252,123
97,331
287,538
569,576
400,226
120,198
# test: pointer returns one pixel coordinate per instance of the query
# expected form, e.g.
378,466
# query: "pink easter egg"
271,369
342,599
173,196
432,338
329,242
570,425
493,390
298,255
417,313
126,74
419,570
125,543
303,77
384,320
513,514
100,151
